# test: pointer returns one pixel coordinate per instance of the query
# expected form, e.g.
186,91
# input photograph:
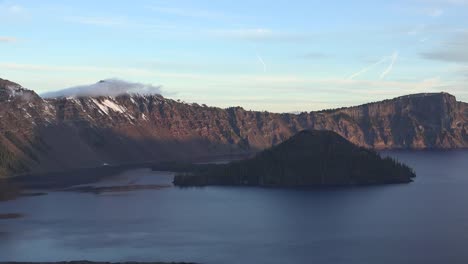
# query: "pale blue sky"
262,55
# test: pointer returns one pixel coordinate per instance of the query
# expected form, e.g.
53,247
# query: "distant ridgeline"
52,134
310,158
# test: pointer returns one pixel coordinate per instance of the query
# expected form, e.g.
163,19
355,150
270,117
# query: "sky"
280,56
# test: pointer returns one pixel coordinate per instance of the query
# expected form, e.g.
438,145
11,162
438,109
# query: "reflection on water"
422,222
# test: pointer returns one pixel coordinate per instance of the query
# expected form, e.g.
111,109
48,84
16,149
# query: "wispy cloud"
417,30
12,8
452,50
12,12
433,12
446,55
445,2
437,8
99,21
313,56
260,35
116,71
256,34
8,39
120,22
188,12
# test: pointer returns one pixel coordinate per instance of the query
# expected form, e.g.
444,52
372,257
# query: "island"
310,158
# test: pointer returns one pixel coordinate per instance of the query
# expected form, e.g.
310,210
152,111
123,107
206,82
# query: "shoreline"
78,176
35,184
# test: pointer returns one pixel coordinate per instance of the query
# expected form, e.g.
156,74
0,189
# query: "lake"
422,222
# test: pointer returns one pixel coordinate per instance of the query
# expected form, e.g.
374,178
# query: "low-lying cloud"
313,56
109,87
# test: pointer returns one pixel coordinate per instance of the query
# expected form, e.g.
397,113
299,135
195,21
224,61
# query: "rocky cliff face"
42,135
417,121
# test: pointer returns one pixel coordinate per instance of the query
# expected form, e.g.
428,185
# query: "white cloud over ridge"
109,87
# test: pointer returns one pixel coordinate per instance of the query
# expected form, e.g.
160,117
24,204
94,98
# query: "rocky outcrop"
417,121
308,159
41,135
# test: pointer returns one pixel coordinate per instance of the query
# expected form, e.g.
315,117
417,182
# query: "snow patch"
101,107
113,106
107,105
14,90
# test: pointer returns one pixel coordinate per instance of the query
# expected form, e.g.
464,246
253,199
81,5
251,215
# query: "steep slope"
309,158
21,112
41,135
417,121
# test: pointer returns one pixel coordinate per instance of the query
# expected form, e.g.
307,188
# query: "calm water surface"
423,222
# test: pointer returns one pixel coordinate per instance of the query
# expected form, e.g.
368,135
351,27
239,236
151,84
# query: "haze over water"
422,222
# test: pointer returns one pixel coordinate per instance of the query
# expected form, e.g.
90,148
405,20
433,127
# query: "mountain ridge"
41,135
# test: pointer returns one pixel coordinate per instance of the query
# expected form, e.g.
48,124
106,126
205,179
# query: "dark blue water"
423,222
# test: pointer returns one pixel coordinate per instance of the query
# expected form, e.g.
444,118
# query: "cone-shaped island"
308,159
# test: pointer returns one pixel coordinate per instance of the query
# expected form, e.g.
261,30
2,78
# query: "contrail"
263,62
384,59
390,67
